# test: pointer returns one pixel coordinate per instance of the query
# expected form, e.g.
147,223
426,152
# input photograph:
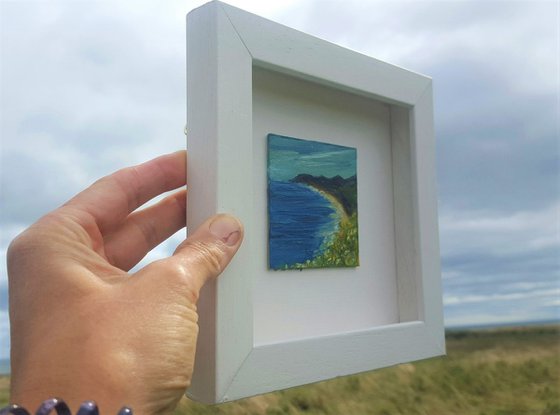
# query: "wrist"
33,384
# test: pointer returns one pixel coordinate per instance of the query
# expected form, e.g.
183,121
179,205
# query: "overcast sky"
88,87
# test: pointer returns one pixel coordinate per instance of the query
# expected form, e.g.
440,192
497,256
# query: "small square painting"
312,204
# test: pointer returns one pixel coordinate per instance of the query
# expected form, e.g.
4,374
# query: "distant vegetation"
513,371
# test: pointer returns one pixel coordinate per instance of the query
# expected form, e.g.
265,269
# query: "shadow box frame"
224,46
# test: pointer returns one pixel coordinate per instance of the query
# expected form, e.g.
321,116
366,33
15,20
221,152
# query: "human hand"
82,327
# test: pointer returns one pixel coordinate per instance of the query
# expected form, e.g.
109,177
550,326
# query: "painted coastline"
300,219
344,190
335,203
339,216
341,249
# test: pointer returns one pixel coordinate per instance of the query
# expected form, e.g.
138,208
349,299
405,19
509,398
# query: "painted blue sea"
300,219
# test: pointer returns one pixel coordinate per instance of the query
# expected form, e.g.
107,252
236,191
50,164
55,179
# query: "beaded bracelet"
86,408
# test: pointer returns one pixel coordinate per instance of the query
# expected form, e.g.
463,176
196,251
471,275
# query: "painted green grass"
342,250
512,371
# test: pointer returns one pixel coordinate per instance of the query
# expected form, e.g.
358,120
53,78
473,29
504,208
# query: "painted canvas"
312,204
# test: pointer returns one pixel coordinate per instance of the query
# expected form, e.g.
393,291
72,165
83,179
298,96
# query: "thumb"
207,251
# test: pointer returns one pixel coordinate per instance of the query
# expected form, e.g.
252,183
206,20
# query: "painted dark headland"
343,190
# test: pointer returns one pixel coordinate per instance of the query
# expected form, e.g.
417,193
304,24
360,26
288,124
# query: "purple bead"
88,408
13,410
57,404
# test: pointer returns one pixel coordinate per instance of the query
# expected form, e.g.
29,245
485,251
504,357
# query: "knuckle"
19,252
16,247
178,278
208,254
126,179
148,230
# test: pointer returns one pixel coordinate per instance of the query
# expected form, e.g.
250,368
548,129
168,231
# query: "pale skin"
82,326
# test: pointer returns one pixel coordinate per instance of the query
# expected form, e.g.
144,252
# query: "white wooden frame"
223,45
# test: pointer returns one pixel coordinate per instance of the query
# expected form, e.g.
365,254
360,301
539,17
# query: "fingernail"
227,229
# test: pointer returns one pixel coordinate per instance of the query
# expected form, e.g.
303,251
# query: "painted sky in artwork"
308,157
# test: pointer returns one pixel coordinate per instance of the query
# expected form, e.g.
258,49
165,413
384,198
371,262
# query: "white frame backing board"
263,330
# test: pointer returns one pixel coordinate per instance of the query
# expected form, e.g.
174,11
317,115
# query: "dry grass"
487,372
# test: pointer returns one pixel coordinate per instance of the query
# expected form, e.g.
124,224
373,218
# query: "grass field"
511,371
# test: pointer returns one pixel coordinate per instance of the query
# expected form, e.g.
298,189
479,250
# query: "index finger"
111,199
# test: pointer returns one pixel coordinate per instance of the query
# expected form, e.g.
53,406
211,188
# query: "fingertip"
226,228
212,245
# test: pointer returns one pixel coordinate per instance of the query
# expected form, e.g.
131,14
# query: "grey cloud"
489,253
544,262
92,68
478,273
33,187
495,85
3,297
59,161
490,311
421,32
4,335
87,44
98,93
523,168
